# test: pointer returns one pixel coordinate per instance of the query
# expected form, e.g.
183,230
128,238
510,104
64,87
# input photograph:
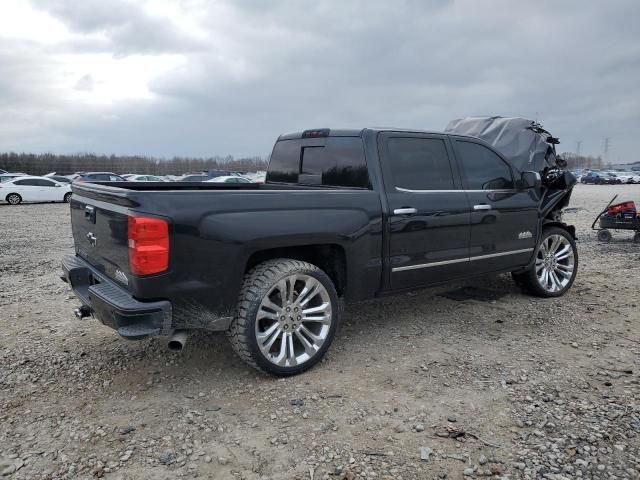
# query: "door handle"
405,211
482,206
90,213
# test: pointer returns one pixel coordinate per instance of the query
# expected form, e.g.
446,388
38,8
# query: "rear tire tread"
255,282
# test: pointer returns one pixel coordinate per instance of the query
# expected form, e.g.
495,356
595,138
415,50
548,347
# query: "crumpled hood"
523,142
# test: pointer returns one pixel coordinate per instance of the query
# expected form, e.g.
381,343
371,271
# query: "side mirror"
530,180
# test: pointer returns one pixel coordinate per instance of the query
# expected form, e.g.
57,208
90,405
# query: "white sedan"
34,189
629,177
143,178
229,179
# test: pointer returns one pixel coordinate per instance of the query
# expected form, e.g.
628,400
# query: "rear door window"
420,163
45,183
338,162
27,183
482,168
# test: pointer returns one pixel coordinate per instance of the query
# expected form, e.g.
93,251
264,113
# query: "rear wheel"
14,199
286,318
555,267
67,197
604,235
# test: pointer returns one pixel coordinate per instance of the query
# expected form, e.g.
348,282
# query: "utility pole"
606,148
578,147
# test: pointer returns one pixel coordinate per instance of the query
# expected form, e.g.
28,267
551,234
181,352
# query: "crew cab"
344,215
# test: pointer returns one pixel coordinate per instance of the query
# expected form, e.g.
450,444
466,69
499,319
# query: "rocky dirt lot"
488,383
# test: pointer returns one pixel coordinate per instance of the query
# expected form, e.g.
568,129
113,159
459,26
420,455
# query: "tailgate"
100,235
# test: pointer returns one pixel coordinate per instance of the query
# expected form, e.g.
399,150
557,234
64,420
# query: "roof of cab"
353,132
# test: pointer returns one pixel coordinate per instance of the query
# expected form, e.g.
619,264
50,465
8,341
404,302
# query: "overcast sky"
200,77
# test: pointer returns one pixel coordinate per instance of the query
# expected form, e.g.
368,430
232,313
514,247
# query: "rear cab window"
331,161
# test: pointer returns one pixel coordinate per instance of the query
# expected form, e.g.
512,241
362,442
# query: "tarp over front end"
523,142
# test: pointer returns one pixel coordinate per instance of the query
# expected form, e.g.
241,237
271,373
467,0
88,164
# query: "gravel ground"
415,386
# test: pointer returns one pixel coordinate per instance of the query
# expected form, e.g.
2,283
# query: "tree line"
43,163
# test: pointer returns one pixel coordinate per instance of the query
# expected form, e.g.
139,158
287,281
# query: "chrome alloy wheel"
293,320
554,263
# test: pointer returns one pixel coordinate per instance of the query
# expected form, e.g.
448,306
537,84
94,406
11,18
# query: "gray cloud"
128,27
265,68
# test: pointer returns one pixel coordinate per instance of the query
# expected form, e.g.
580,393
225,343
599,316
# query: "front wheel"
555,267
286,318
67,197
14,199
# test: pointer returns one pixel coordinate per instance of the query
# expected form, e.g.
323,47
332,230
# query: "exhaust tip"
177,341
82,312
175,346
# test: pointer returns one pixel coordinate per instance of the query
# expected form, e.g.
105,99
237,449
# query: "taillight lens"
148,245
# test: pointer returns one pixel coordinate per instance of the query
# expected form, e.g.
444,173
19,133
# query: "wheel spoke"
565,270
320,308
320,314
555,240
270,305
309,348
262,313
566,252
291,353
269,343
310,290
281,359
545,278
282,291
291,285
316,339
267,333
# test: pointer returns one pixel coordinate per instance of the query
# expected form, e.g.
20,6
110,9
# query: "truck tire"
287,315
555,266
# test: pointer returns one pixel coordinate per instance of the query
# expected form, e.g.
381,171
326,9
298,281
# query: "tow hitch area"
82,312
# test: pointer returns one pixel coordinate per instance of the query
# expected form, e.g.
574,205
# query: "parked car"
609,178
3,171
205,176
229,179
91,177
59,178
593,178
195,178
628,177
34,189
144,178
344,214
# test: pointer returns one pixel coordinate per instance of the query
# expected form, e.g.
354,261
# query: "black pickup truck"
343,215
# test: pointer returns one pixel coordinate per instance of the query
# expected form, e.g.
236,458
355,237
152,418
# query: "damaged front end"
528,147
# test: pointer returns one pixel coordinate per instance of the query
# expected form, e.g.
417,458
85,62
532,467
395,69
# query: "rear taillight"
148,245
